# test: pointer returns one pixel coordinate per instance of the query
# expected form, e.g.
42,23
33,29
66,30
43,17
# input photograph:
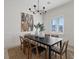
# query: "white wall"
67,11
13,9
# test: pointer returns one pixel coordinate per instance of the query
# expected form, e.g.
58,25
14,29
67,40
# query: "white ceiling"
53,3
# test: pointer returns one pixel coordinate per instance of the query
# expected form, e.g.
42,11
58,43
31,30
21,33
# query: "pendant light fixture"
37,10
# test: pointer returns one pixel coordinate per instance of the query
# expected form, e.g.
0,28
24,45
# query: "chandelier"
37,10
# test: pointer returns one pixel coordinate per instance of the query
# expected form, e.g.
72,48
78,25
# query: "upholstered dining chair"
62,50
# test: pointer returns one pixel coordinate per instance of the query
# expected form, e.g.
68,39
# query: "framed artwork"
26,22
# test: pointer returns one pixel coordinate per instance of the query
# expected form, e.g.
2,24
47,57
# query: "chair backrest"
47,35
54,35
23,40
64,47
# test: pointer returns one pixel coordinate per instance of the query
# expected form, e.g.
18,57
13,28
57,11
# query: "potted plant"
39,28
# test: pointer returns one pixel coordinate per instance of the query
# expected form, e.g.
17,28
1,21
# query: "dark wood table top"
46,41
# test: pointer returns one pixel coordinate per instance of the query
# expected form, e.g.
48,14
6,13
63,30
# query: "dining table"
49,42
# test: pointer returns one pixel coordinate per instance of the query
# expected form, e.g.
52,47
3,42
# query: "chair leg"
27,52
46,54
55,55
60,56
37,54
38,57
23,49
30,53
66,54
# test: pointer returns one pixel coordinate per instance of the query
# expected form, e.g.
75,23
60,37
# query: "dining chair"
24,44
35,49
21,42
62,50
55,35
47,36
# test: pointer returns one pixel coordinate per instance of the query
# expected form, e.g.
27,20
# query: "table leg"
60,44
49,52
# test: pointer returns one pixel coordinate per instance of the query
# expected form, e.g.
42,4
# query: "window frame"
57,31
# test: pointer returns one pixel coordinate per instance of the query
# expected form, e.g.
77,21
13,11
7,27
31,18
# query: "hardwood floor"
16,53
6,54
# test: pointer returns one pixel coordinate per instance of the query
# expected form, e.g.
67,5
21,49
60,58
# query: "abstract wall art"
26,22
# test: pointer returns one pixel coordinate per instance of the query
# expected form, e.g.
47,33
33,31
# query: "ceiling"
49,4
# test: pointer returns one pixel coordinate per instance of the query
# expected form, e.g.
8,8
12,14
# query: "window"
58,24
